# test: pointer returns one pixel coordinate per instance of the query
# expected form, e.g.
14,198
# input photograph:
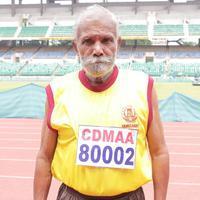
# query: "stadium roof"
7,2
13,5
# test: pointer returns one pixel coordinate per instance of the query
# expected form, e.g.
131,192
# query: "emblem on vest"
130,116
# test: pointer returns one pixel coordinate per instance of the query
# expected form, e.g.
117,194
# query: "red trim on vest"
99,88
149,99
51,106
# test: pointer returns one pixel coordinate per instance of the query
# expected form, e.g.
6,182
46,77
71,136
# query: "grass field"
164,89
7,85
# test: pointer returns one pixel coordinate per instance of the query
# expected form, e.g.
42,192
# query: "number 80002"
107,154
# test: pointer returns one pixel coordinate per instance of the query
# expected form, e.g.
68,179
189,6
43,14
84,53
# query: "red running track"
19,143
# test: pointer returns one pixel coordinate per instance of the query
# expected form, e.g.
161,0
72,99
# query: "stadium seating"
27,55
138,54
66,68
168,30
125,53
50,53
125,30
71,54
154,69
176,54
160,54
184,54
194,29
7,31
181,69
33,31
9,69
62,31
38,69
133,30
24,53
174,70
9,54
3,51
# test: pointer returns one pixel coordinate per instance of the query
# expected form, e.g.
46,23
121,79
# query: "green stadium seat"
185,70
38,70
62,31
7,31
66,68
9,69
33,31
168,30
154,69
194,29
133,30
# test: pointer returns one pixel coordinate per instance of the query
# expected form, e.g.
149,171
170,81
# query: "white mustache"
95,60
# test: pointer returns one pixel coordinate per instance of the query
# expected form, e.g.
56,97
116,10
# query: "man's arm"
42,177
159,152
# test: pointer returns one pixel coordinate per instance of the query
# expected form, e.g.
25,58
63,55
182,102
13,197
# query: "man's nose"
98,49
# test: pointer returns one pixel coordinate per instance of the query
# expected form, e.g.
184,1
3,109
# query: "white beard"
97,66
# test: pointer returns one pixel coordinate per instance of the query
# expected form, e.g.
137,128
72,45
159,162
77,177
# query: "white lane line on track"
27,133
184,166
184,183
19,148
17,160
184,154
181,131
21,128
18,139
183,144
183,137
15,177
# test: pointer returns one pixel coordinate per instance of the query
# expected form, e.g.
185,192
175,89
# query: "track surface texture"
20,140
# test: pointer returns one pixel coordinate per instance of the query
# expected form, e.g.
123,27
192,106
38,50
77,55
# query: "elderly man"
100,123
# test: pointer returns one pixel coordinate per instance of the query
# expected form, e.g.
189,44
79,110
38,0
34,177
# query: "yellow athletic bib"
101,148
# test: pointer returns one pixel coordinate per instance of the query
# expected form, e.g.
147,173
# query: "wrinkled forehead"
96,26
95,22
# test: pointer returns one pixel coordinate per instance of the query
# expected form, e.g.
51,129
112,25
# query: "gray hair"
93,11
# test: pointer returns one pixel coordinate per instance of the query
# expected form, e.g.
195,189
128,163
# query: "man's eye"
87,42
107,40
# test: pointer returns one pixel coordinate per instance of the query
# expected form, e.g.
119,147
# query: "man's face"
96,45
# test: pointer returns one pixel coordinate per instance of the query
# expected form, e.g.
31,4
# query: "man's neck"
94,81
99,85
